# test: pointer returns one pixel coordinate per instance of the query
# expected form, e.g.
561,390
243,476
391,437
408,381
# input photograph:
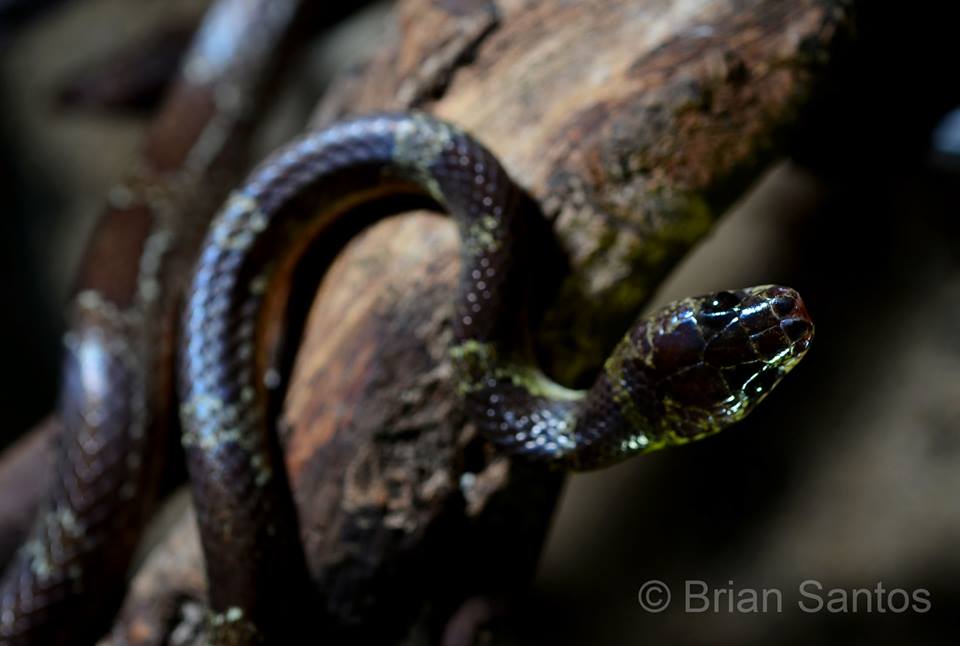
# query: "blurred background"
849,475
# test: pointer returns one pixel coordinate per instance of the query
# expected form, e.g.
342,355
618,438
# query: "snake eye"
721,302
717,311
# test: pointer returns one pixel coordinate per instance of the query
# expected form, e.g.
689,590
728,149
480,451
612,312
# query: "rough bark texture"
634,124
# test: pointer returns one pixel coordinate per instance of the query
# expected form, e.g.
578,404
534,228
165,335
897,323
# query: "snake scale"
116,397
681,373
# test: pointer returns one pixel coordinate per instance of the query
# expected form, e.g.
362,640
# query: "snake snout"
778,316
794,320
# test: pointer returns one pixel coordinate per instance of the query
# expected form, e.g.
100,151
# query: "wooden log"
634,124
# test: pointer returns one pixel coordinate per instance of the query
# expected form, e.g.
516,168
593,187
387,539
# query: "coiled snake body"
679,374
682,373
116,396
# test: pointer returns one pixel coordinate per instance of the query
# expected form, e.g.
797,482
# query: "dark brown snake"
117,402
682,373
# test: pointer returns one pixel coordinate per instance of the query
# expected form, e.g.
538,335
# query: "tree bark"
634,125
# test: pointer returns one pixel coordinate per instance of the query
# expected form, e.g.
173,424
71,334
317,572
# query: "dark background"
849,475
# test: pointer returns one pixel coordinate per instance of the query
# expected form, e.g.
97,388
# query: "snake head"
716,357
701,364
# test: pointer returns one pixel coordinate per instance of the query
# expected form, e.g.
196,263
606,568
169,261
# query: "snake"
683,372
218,303
117,401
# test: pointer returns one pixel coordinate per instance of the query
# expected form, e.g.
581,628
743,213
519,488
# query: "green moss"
417,152
586,322
477,362
483,237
